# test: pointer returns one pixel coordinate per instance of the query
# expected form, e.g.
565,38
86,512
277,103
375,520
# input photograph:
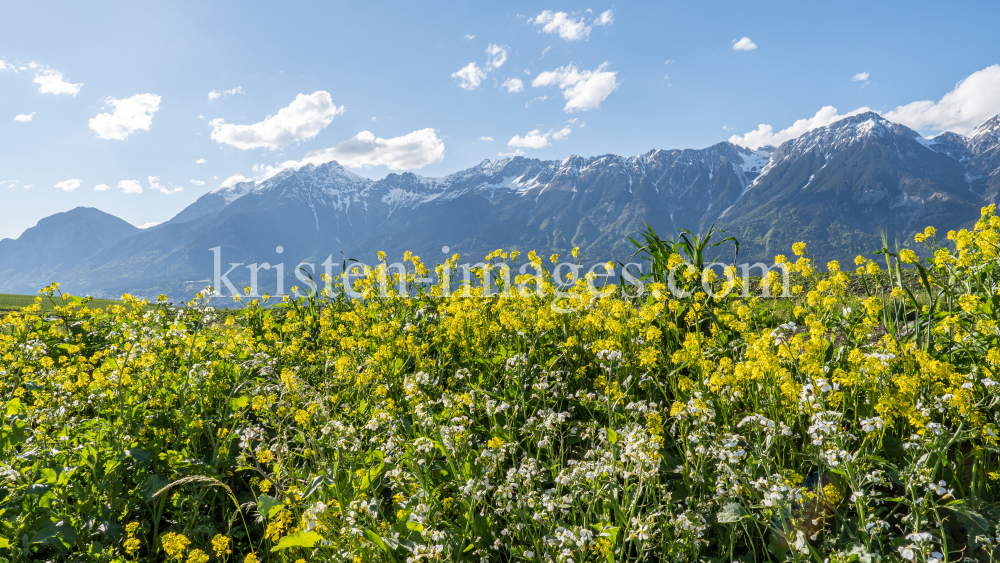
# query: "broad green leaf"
268,506
300,539
731,512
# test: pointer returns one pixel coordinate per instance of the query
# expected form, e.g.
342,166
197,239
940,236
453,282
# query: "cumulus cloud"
233,180
148,225
582,90
532,140
470,37
130,114
744,45
200,161
51,81
859,77
24,117
490,139
764,134
536,139
410,151
198,182
214,95
569,27
970,103
68,185
302,120
562,133
102,188
6,66
496,55
469,76
973,100
513,85
154,183
130,186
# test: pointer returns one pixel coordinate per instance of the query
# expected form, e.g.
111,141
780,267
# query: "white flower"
906,553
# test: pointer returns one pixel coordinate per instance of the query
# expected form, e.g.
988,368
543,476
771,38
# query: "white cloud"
130,186
568,27
469,76
532,140
200,161
214,95
302,120
470,37
582,90
496,55
198,182
536,139
6,66
154,183
744,45
410,151
24,117
545,50
490,139
517,152
859,77
148,225
764,134
131,114
513,85
29,186
538,99
51,81
102,188
68,185
971,102
562,133
606,18
233,180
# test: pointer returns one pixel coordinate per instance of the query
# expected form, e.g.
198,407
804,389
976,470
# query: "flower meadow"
433,424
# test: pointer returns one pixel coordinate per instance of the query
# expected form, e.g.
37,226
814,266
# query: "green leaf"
268,506
300,539
377,540
731,512
612,436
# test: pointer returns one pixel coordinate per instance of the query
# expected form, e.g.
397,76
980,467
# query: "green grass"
13,302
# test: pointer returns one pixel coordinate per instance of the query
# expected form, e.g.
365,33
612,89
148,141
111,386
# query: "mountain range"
839,188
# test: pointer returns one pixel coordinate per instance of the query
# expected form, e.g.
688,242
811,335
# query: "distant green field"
12,302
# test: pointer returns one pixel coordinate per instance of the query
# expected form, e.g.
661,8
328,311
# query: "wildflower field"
433,424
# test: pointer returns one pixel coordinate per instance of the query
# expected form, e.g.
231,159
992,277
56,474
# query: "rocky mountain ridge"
838,187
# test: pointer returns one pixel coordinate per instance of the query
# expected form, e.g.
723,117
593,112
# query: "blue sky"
116,95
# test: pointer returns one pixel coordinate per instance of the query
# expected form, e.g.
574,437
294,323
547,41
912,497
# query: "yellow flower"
250,558
174,544
576,252
220,545
799,248
197,556
908,256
